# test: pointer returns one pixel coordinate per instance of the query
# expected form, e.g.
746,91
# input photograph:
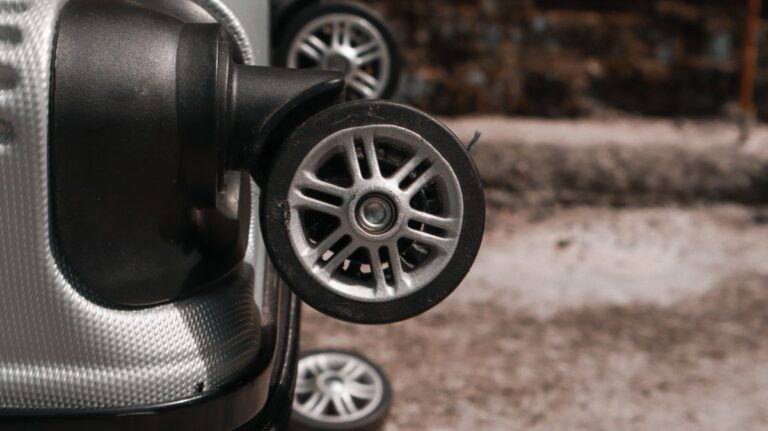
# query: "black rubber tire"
372,422
295,24
274,214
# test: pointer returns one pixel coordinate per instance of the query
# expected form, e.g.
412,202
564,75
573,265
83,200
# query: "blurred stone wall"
573,57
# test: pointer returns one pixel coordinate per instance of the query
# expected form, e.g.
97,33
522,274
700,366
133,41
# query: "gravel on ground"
588,319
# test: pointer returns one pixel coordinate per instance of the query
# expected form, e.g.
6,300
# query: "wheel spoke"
360,86
406,170
336,37
441,244
310,181
361,390
346,39
326,244
421,181
352,370
340,257
318,402
366,48
313,366
303,201
344,404
365,78
370,155
322,363
370,57
378,272
363,82
317,43
446,224
310,51
398,275
353,162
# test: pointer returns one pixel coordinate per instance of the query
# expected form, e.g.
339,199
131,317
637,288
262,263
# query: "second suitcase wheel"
340,391
346,37
373,212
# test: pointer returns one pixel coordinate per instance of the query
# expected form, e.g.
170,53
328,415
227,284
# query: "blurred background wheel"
345,37
337,390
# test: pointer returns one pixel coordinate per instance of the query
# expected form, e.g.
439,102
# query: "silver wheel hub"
346,43
338,62
376,213
337,388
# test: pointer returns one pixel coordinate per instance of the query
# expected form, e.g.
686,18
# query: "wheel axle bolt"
376,214
338,63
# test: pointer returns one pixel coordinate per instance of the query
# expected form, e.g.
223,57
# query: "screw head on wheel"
382,214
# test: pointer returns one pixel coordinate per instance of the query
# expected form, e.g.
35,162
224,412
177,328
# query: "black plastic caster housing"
373,212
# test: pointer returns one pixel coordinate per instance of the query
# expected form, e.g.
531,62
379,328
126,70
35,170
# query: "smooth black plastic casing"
149,113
